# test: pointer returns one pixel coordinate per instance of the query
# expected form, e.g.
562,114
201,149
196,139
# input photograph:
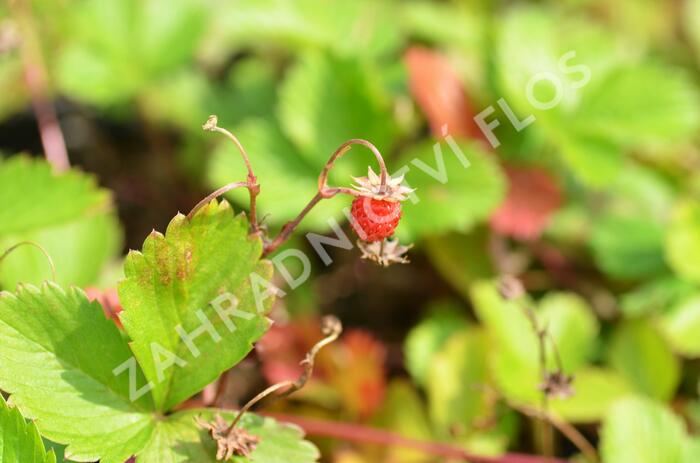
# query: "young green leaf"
67,214
19,440
59,353
195,301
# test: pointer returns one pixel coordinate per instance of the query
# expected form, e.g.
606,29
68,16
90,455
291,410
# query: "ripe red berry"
375,219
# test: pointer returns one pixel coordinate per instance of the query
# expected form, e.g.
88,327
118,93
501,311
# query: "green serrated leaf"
447,180
58,357
19,440
180,286
641,431
67,214
639,352
178,439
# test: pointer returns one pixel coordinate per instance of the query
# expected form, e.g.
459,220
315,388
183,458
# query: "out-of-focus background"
590,197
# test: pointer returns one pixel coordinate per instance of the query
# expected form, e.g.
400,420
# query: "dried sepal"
371,186
384,253
557,384
229,442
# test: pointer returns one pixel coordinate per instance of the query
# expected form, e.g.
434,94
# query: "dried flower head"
557,384
385,252
371,186
229,442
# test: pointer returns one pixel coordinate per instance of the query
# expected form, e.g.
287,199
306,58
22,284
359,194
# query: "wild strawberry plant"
194,300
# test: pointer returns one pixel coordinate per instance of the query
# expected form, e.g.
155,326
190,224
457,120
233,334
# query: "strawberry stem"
252,181
325,192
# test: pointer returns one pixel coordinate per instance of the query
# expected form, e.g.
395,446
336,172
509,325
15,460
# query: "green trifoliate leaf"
641,431
67,214
59,354
179,439
19,440
639,352
457,186
195,301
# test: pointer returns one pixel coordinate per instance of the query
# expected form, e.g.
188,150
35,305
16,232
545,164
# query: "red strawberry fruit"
375,219
376,210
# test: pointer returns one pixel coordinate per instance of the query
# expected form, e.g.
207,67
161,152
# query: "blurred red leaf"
109,299
440,93
533,196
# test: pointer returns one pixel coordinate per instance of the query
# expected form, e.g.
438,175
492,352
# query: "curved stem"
344,148
252,181
326,192
36,245
331,329
215,194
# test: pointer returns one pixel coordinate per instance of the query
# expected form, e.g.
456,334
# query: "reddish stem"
358,433
36,79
